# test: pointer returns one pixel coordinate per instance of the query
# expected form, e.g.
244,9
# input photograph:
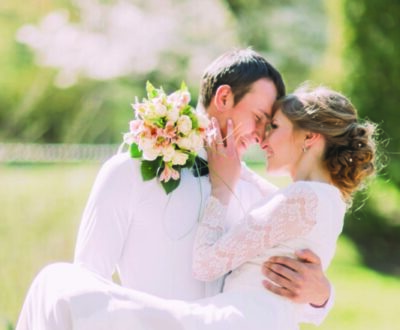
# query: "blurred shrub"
373,70
374,225
291,34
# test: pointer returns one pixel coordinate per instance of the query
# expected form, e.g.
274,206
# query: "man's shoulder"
120,168
121,162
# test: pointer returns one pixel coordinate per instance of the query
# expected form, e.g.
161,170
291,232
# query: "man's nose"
264,142
259,134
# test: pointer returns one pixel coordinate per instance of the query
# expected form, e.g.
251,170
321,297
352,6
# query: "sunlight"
114,40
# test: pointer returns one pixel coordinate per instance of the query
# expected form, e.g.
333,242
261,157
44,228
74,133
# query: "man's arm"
303,281
107,217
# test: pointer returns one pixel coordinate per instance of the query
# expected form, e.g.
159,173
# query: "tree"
371,81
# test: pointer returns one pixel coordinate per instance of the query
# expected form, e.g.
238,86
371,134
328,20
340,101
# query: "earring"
304,148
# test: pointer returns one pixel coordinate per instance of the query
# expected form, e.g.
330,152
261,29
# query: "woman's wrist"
223,194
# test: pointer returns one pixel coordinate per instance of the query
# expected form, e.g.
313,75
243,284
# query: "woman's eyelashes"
271,126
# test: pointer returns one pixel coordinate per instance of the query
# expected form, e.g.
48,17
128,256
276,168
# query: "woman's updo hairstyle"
350,152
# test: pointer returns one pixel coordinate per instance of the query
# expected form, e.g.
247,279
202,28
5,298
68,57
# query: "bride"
316,138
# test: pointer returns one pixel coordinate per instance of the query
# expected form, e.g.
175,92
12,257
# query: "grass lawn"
41,207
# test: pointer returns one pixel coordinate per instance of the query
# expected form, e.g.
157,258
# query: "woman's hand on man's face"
223,162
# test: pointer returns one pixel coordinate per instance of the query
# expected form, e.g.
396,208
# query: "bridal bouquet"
166,135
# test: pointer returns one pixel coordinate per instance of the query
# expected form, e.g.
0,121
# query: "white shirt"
132,226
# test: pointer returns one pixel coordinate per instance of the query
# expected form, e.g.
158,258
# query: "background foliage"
372,74
70,69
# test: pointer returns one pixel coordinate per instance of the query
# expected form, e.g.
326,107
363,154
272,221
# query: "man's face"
251,114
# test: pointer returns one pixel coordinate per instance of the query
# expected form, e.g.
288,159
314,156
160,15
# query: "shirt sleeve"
288,214
316,315
106,218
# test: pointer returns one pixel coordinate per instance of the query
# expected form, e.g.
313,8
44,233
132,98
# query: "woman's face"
283,145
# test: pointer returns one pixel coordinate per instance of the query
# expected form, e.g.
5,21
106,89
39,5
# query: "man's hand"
302,280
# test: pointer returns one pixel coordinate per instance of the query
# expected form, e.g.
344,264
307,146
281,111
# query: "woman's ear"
311,138
224,98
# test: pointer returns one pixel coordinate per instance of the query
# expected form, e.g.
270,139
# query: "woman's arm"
288,214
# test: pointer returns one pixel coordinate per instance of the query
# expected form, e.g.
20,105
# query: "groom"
133,227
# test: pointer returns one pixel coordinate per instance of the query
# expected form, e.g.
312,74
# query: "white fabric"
302,215
134,227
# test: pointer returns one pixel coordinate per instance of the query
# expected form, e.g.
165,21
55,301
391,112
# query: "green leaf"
187,110
159,122
135,151
190,160
171,185
195,121
152,92
149,168
183,87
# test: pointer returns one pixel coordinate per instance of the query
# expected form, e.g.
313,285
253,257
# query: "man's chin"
241,151
276,171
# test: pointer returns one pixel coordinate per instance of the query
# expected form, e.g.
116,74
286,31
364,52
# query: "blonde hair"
350,150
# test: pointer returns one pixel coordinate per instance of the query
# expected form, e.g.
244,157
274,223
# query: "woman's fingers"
221,146
219,141
230,139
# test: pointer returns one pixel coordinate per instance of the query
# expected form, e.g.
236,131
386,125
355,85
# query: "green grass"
365,299
40,213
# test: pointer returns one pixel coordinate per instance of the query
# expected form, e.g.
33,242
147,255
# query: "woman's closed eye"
271,126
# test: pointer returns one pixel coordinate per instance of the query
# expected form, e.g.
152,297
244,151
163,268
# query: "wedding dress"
302,215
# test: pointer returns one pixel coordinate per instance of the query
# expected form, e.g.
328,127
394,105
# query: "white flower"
130,138
140,108
150,151
158,109
179,158
151,112
173,114
179,98
196,141
193,142
168,153
184,143
184,124
163,130
204,122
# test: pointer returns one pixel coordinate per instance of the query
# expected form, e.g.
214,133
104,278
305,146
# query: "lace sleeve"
287,214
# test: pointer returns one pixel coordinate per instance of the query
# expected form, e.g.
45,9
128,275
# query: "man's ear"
311,138
224,98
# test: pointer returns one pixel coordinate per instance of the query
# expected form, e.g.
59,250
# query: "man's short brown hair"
239,69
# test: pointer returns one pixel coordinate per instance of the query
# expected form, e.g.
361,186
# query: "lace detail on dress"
210,229
288,214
